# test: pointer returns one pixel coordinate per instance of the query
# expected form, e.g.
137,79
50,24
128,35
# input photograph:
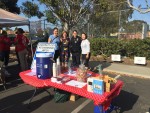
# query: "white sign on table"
116,57
45,47
140,60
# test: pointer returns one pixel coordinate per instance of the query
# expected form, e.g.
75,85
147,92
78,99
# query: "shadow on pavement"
125,101
16,103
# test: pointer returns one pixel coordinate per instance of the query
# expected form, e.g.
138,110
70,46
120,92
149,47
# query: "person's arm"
49,40
88,49
27,41
16,41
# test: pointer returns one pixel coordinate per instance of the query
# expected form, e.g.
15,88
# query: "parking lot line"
81,106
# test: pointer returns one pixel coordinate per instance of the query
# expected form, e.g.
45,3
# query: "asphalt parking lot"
134,98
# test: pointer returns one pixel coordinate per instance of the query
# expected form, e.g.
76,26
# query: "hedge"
129,48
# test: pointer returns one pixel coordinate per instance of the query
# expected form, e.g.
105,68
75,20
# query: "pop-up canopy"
8,19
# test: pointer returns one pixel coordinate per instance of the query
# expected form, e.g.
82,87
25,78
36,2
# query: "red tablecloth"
104,99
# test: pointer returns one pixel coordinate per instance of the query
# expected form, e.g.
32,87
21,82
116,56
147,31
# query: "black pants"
2,56
76,59
85,60
56,55
6,57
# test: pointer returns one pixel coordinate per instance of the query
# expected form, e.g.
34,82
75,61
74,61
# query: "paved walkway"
134,70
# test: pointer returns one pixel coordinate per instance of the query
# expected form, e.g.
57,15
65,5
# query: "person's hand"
87,56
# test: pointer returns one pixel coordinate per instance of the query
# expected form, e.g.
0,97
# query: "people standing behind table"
75,48
21,43
54,39
85,49
64,49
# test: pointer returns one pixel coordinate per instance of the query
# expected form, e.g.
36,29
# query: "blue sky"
136,15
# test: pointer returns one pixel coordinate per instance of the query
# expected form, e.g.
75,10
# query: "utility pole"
119,24
44,24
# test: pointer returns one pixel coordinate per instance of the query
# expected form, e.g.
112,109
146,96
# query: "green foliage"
106,15
129,48
10,5
31,9
134,26
67,11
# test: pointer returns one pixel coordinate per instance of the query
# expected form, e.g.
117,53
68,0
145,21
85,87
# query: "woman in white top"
85,49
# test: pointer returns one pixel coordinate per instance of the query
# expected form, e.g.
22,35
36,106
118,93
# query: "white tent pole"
30,40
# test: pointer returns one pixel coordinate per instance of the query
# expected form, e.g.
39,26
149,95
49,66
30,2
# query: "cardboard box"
74,97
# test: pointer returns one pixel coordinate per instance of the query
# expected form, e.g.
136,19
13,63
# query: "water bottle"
58,66
54,70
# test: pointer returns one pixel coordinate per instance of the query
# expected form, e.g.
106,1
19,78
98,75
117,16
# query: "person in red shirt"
5,50
7,44
21,43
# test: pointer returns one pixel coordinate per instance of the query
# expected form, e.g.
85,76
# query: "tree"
31,9
139,9
66,12
10,5
134,26
73,13
108,16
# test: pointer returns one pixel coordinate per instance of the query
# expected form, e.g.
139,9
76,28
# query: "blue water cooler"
44,65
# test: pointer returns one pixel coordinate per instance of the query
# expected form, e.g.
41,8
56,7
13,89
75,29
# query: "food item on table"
81,73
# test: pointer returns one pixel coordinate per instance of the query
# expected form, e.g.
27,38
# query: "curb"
127,73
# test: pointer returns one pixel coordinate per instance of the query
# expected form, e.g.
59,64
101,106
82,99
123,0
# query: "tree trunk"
66,27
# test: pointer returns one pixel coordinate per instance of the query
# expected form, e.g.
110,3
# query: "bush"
129,48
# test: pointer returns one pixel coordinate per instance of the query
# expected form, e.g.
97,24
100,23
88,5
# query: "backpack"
61,96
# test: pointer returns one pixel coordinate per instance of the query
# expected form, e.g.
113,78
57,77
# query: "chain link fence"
110,25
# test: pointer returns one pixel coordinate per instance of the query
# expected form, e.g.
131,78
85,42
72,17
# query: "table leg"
35,90
32,96
47,91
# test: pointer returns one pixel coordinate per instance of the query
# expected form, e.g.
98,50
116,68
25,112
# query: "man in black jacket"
75,47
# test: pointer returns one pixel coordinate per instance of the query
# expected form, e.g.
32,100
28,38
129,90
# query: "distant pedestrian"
85,48
55,39
21,43
75,48
7,44
64,49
